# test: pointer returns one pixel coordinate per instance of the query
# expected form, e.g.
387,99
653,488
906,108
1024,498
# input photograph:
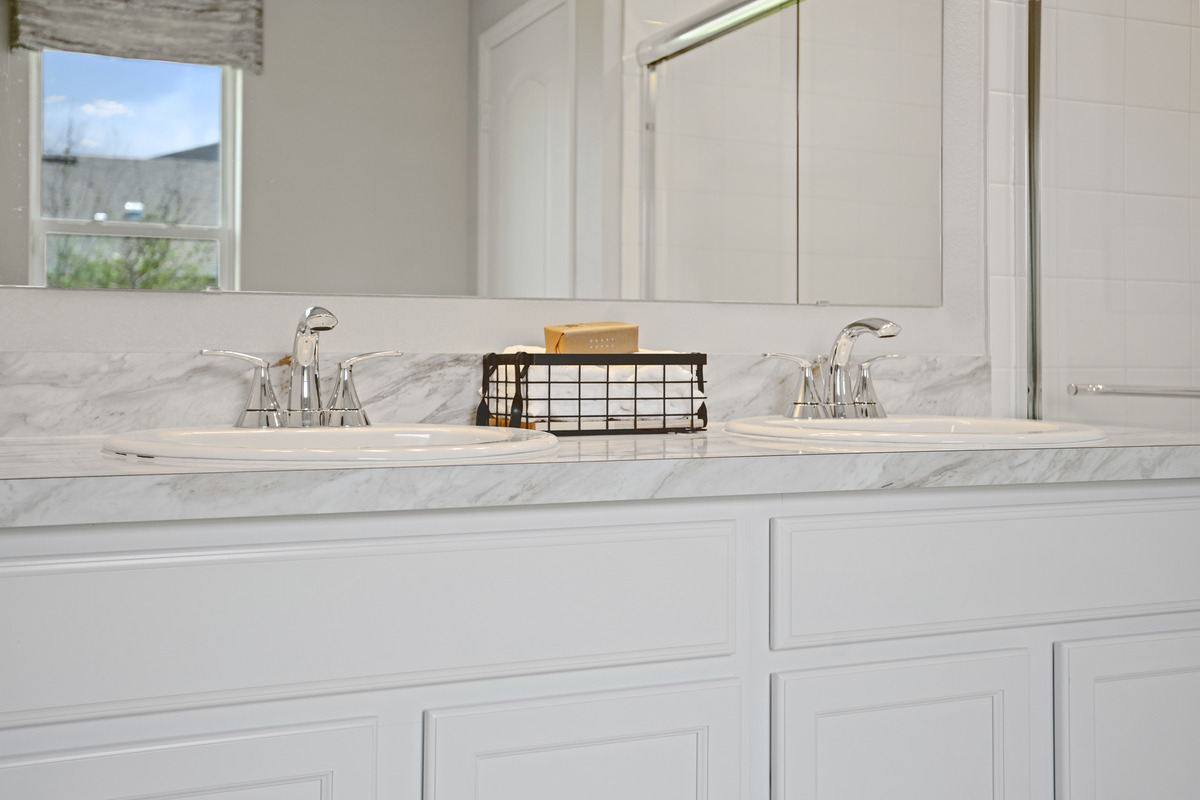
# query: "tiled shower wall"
726,167
1121,206
796,158
870,151
725,161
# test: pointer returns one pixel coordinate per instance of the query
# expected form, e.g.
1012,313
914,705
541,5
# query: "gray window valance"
215,32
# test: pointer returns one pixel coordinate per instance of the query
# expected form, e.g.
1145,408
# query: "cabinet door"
1128,717
953,728
324,761
662,743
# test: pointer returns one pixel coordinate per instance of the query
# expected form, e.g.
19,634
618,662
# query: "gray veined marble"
69,394
743,386
64,480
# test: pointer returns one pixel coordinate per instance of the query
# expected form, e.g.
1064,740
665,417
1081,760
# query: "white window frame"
225,234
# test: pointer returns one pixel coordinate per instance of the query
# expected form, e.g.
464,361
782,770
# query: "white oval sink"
931,430
375,444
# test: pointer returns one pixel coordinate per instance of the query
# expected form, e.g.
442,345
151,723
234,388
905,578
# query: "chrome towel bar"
1155,391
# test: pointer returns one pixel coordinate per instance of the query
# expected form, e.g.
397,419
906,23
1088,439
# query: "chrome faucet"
832,387
807,405
304,407
304,391
841,386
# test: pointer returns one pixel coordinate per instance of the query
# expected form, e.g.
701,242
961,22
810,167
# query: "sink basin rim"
919,429
402,443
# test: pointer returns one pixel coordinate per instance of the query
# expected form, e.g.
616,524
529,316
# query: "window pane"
130,262
133,140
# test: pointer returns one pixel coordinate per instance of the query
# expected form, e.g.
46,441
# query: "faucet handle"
262,409
865,400
808,404
345,409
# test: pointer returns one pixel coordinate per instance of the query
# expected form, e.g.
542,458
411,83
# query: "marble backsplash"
65,394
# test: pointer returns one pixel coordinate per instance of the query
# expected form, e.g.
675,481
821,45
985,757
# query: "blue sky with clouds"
127,109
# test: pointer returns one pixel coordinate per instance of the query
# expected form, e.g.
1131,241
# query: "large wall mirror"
498,148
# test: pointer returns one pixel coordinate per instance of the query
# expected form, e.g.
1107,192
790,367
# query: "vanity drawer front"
194,627
858,577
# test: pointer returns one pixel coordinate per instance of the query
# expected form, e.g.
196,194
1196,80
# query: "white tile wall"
1089,150
1176,12
1091,237
1121,205
1092,57
1157,147
1158,238
1158,60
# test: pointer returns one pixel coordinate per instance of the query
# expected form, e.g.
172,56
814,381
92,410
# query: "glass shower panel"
870,148
798,159
726,168
1120,200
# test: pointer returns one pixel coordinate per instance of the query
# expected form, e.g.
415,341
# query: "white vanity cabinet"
580,651
907,644
1048,575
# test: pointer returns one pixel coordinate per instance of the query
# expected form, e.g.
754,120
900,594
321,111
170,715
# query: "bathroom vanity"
635,617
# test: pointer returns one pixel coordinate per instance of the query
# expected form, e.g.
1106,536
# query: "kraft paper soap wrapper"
592,337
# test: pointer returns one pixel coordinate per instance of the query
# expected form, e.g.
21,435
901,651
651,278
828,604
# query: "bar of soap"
592,337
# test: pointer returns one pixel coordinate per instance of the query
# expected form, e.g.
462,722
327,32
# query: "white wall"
332,204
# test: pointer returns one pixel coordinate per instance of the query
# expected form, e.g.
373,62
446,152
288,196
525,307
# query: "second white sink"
374,444
930,430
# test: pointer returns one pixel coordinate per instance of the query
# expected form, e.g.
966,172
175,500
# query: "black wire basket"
594,394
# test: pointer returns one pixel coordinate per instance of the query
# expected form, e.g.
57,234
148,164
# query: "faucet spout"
304,391
883,328
840,385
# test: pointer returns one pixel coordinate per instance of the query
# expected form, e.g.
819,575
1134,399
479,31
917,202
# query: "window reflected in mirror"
130,174
130,262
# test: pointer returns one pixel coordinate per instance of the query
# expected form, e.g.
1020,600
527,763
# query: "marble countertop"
65,480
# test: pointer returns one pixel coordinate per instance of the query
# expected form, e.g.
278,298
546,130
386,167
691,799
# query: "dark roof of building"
207,152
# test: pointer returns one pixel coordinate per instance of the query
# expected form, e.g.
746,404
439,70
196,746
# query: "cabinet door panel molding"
660,743
1126,717
861,577
951,728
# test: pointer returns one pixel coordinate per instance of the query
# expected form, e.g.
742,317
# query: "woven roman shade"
213,32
